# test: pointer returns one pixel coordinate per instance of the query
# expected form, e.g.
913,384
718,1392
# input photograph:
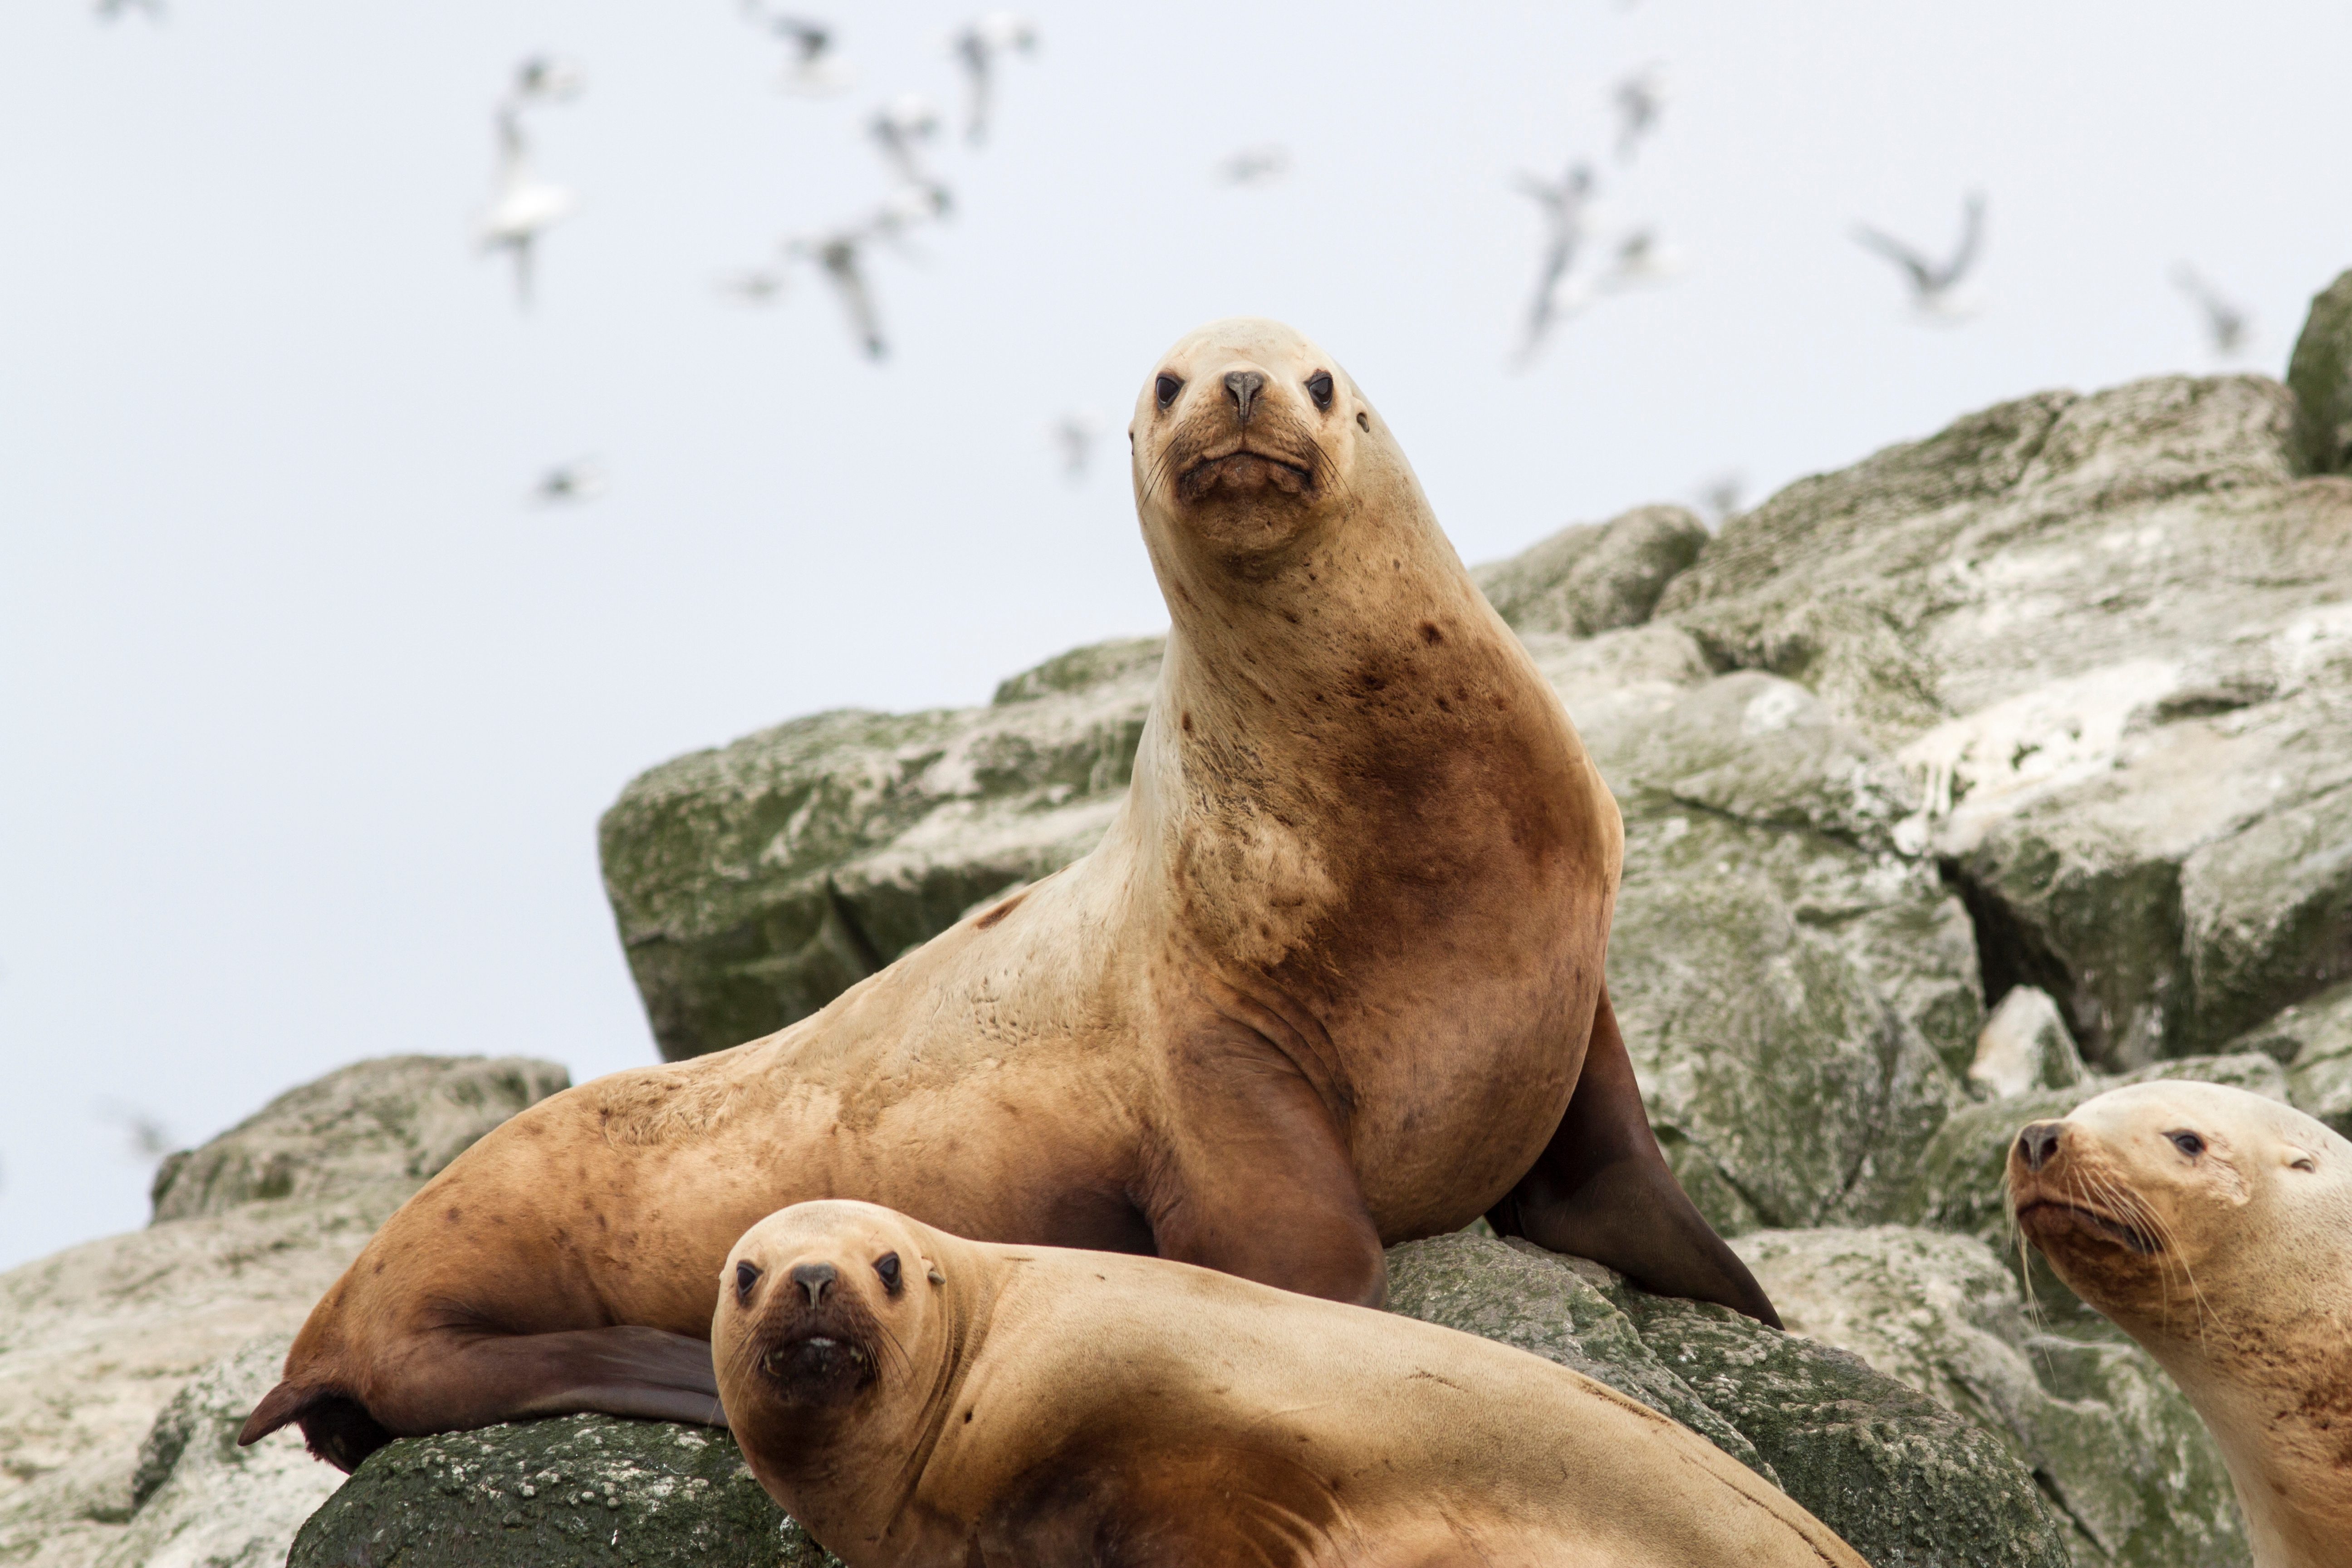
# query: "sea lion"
2215,1228
916,1399
1332,980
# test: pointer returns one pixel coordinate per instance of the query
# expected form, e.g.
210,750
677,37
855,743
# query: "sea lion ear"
932,1272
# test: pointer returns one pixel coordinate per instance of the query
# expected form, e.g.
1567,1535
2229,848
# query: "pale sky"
307,717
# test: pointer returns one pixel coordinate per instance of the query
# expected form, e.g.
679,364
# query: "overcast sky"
306,717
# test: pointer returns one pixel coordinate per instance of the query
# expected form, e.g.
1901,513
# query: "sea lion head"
828,1312
2163,1204
1245,437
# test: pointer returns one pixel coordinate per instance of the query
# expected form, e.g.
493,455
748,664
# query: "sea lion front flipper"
1601,1189
1257,1182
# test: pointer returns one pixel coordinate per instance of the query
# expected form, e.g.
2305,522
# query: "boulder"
97,1341
754,883
198,1499
1906,1480
2024,1046
2313,1040
1594,576
2116,1450
2320,372
2107,637
578,1489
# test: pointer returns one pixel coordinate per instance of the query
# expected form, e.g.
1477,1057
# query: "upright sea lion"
1332,980
920,1401
2215,1228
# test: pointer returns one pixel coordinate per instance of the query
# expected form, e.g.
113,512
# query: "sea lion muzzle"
819,1370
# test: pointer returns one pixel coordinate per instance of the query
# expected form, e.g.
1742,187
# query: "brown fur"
2233,1265
1328,984
1045,1407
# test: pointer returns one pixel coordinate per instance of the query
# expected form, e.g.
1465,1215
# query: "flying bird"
146,1137
113,10
840,256
2227,325
1640,97
1254,166
522,207
1721,495
978,47
1558,292
567,484
814,70
761,286
546,79
1638,257
1934,285
1075,433
898,128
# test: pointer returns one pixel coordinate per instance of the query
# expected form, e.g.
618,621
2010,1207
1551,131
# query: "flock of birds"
1585,258
1586,255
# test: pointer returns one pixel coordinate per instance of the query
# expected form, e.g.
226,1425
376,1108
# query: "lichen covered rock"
576,1491
2116,1449
1594,576
2320,372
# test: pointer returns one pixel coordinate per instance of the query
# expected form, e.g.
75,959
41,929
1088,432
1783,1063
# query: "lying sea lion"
1331,981
920,1401
2215,1228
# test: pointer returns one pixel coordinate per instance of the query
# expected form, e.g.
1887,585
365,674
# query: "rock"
549,1494
198,1499
97,1340
2024,1046
2320,372
2115,1448
393,1121
2313,1042
754,883
1594,576
1903,1478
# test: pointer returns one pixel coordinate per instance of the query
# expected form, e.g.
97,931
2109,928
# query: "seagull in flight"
978,47
1640,256
2227,325
1254,166
567,484
545,78
814,70
1558,294
898,128
523,205
1934,285
1640,97
1075,433
840,256
113,10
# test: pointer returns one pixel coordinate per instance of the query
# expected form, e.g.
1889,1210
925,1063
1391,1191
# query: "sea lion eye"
1166,388
746,1275
886,1266
1319,387
2187,1143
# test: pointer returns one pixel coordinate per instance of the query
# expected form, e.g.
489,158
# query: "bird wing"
1971,238
1902,256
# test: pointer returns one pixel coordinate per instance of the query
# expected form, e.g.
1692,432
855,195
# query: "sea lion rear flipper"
1601,1189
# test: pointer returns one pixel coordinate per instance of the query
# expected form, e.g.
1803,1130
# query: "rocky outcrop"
2320,374
1901,1477
150,1338
2123,1462
1594,576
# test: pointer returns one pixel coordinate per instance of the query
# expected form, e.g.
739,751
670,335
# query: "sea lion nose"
816,1278
2037,1143
1244,385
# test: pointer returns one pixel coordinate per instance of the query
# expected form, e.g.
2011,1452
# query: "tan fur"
1041,1407
2233,1265
1326,984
